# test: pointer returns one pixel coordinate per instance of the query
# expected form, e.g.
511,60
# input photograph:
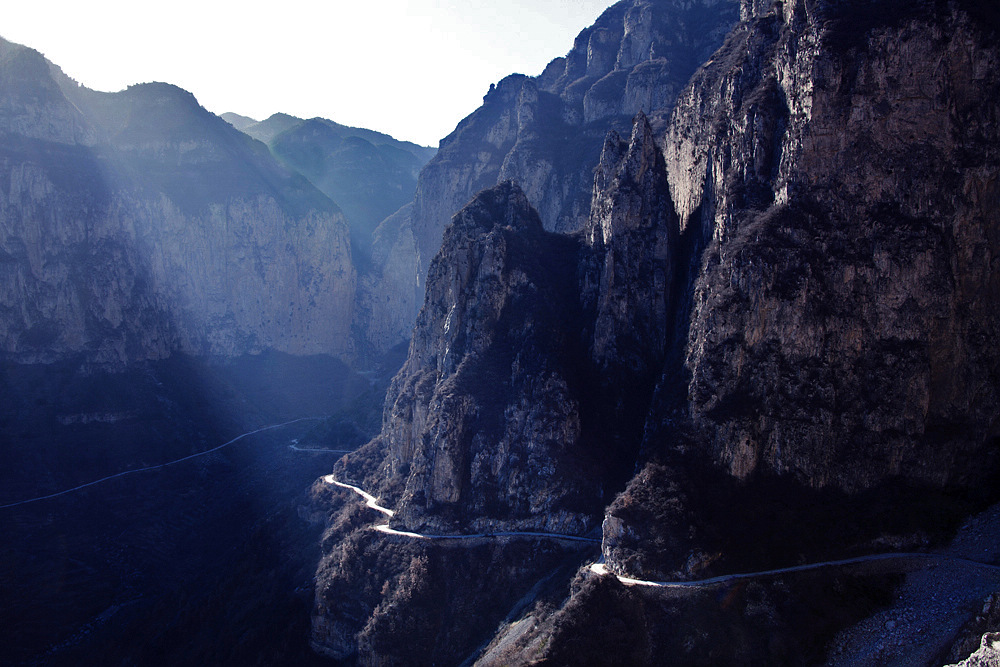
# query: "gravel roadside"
933,606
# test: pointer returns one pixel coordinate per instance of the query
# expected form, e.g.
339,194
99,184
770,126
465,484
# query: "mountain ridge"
369,174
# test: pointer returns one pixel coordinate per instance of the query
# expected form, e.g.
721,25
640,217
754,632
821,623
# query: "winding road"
160,465
295,448
600,569
372,502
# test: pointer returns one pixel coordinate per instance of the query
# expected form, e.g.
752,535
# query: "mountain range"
137,224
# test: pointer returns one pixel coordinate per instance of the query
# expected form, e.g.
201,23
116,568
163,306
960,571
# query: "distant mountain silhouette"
369,174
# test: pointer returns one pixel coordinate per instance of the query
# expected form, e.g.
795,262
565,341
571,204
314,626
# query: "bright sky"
412,68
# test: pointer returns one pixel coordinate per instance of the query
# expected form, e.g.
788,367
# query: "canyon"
681,351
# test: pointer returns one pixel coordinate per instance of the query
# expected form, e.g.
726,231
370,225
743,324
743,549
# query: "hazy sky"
412,68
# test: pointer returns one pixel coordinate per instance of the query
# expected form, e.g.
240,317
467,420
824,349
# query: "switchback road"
600,569
371,502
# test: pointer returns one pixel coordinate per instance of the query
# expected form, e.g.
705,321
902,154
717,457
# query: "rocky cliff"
137,224
784,301
483,425
850,240
546,133
521,401
842,303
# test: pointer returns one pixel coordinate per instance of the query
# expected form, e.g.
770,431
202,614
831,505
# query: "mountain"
369,174
545,132
238,121
137,224
766,344
166,287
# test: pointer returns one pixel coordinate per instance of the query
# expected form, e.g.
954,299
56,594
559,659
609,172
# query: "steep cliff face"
521,401
482,432
136,224
526,341
833,162
633,230
627,280
546,133
483,425
841,317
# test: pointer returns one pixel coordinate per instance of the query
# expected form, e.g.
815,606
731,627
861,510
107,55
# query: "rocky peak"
629,183
269,128
546,133
475,256
503,206
32,104
493,384
634,231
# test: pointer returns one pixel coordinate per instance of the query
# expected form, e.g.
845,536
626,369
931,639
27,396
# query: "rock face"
833,165
988,654
546,133
784,301
634,232
840,317
136,224
487,406
517,406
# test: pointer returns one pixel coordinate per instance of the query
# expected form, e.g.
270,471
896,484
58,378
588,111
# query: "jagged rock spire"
633,223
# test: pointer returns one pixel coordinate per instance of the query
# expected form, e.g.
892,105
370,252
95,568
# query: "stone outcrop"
546,134
483,424
987,655
136,224
633,230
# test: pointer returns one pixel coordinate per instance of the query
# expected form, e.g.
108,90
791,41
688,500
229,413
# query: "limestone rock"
987,655
846,209
482,425
523,394
634,227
